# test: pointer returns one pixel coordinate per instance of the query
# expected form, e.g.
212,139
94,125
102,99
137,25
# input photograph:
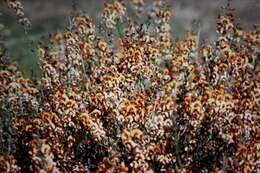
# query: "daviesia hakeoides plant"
122,96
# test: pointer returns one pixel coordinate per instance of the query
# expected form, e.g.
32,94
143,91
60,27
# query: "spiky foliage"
130,100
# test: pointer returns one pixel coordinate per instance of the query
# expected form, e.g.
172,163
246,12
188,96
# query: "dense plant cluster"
132,100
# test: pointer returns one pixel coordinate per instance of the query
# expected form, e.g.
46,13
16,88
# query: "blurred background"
49,16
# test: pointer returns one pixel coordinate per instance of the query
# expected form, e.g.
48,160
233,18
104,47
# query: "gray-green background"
52,15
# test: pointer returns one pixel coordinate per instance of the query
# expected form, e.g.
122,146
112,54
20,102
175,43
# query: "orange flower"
102,45
123,168
126,136
86,119
136,134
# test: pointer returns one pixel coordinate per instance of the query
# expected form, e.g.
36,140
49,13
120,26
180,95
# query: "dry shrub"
132,100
